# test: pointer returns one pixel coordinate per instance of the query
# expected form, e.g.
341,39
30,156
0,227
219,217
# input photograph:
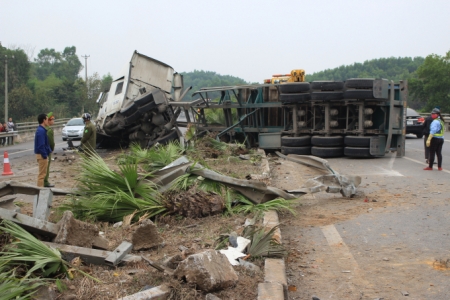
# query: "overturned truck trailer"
137,106
359,117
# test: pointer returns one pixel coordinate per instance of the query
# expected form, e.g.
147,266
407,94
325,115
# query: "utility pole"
6,86
85,78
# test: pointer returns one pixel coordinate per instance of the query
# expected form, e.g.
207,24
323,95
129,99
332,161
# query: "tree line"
48,83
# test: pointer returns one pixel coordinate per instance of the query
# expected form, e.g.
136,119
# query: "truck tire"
294,98
326,95
327,151
360,94
357,141
172,135
294,87
359,83
327,85
133,118
327,141
295,141
357,152
419,135
305,150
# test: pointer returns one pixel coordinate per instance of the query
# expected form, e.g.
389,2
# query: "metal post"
6,88
85,78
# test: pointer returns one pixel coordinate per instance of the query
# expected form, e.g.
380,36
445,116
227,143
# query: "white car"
73,129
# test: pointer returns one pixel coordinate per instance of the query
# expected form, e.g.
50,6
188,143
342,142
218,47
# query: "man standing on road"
51,142
88,142
42,148
436,139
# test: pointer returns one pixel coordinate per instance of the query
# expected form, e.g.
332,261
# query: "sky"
249,39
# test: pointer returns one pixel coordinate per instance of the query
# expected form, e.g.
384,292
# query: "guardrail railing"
31,126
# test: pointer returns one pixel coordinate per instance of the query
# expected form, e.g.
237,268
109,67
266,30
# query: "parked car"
73,129
414,123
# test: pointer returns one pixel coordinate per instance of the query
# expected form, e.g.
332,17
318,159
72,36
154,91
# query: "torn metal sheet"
87,255
330,183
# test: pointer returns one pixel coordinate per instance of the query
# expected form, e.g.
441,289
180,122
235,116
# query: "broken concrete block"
100,242
29,223
212,297
8,203
119,253
172,261
157,293
146,236
74,232
209,271
42,204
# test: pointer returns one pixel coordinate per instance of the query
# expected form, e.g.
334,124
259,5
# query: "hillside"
392,68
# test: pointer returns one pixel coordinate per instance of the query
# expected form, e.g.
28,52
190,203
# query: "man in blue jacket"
42,148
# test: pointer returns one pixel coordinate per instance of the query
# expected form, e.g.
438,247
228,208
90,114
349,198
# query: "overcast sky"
250,39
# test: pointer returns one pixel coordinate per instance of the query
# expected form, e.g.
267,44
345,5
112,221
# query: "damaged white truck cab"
136,107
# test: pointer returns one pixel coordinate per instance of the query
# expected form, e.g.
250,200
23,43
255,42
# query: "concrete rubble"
146,236
209,271
74,232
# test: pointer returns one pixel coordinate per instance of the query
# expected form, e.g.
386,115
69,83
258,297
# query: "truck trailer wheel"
326,95
306,150
357,152
327,85
294,87
327,141
359,94
357,141
359,83
327,151
294,98
296,141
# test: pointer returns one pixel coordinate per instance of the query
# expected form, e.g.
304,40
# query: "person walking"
42,148
51,142
426,132
88,142
436,139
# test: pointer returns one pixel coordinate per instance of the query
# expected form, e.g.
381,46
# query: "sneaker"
440,169
428,169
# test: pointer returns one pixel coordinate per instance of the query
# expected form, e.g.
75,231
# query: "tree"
64,65
431,84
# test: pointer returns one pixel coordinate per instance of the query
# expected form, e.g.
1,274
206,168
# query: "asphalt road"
398,251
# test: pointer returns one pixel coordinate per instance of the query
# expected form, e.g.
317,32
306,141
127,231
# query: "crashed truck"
359,117
137,109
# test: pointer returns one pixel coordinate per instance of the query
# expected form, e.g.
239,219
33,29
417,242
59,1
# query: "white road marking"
346,260
424,164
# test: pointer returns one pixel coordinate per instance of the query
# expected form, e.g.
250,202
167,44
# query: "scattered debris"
146,236
208,271
116,256
74,232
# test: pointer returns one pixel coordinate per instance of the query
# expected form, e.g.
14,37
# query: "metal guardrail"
31,126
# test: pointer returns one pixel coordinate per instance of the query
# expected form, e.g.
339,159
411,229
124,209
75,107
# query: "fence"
25,130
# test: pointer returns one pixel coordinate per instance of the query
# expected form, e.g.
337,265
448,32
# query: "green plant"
12,287
29,251
263,244
244,205
109,196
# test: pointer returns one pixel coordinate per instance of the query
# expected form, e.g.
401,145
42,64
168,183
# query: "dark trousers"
436,149
427,149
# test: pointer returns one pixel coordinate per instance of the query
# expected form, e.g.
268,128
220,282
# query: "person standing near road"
42,148
88,142
3,139
51,142
11,125
426,132
436,139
